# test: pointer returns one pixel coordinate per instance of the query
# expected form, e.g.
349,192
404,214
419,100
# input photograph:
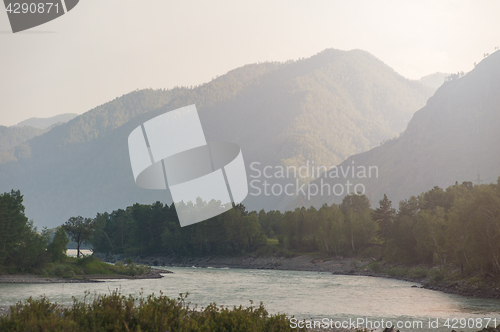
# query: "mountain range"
324,108
13,136
27,129
44,123
454,138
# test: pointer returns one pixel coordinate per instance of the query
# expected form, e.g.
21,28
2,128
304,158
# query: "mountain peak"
322,109
455,137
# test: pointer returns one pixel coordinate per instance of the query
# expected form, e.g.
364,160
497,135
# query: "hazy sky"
104,49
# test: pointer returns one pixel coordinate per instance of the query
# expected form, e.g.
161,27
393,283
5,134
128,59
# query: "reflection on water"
306,295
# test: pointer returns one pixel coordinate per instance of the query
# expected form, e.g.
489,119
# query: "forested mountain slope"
324,108
455,137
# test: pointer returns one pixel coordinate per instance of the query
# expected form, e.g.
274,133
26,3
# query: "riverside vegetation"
116,312
440,230
23,249
453,232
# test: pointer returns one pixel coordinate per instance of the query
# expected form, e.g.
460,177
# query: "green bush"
77,270
374,266
437,275
266,251
397,271
141,269
59,270
116,312
372,252
418,273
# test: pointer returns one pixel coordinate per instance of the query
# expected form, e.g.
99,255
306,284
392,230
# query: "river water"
306,295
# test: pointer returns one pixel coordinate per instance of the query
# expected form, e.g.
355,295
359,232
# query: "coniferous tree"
57,248
384,216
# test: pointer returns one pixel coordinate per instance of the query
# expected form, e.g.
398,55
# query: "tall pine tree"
384,216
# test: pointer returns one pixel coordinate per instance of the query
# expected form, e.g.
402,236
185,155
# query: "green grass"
418,272
116,312
77,267
474,280
375,267
437,275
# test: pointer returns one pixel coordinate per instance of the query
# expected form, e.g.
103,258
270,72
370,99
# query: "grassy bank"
77,268
444,278
116,312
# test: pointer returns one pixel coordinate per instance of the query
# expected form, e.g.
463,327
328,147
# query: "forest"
458,226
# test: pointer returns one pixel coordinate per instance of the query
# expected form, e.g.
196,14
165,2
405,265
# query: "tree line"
154,229
458,226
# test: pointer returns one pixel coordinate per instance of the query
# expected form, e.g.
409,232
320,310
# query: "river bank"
34,279
298,263
306,295
341,266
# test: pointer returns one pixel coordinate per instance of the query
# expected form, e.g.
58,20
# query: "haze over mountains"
27,129
12,136
324,108
44,123
455,137
434,80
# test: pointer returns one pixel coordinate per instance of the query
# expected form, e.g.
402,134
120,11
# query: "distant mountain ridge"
324,108
434,80
44,123
455,137
13,136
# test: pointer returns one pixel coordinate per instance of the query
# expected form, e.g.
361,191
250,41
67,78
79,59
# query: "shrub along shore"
116,312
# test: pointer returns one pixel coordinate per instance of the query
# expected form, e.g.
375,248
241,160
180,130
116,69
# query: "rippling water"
306,295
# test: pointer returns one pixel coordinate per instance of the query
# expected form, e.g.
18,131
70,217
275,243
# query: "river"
306,295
